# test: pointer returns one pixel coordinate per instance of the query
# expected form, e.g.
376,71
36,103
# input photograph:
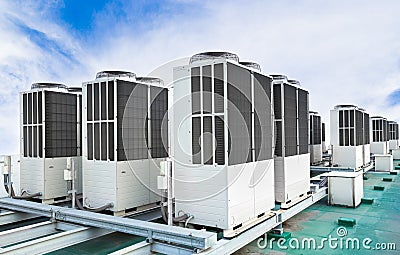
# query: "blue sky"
342,51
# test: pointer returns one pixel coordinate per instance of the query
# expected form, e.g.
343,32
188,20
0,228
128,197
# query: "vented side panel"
196,132
61,121
89,89
323,132
207,96
262,117
207,140
315,124
104,140
359,128
111,100
303,122
290,108
220,140
219,88
90,141
159,122
111,148
239,114
366,129
278,137
96,141
96,101
195,83
132,110
24,109
277,101
103,100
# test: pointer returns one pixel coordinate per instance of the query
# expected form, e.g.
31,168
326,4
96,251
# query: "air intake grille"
242,120
61,124
366,129
379,130
159,122
290,108
137,106
315,129
239,114
393,131
303,122
323,132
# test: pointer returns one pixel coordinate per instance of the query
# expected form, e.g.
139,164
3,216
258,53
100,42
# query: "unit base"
135,210
231,233
52,201
290,203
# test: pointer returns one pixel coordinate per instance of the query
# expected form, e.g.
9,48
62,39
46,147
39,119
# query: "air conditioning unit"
50,134
223,139
315,137
292,157
394,143
125,127
350,136
379,135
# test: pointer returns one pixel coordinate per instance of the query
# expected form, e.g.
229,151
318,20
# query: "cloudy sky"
342,51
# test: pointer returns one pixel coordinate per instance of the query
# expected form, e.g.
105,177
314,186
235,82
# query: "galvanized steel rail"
196,239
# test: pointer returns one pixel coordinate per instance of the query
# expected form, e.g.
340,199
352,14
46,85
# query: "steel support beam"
154,232
331,168
12,217
55,242
142,248
26,233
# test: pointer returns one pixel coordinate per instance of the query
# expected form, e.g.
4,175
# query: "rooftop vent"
75,89
345,106
251,65
104,74
214,55
279,77
48,85
151,80
294,82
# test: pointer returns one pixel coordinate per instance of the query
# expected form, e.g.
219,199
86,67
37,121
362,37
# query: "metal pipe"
91,209
73,182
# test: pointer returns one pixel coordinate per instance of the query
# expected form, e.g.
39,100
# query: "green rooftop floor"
379,221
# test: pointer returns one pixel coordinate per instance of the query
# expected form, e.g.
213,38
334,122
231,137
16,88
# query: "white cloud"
342,51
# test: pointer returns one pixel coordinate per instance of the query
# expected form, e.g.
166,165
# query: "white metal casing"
345,188
383,163
380,147
315,153
46,175
396,154
125,184
293,177
394,144
221,196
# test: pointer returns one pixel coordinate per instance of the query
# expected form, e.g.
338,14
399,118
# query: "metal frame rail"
181,238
